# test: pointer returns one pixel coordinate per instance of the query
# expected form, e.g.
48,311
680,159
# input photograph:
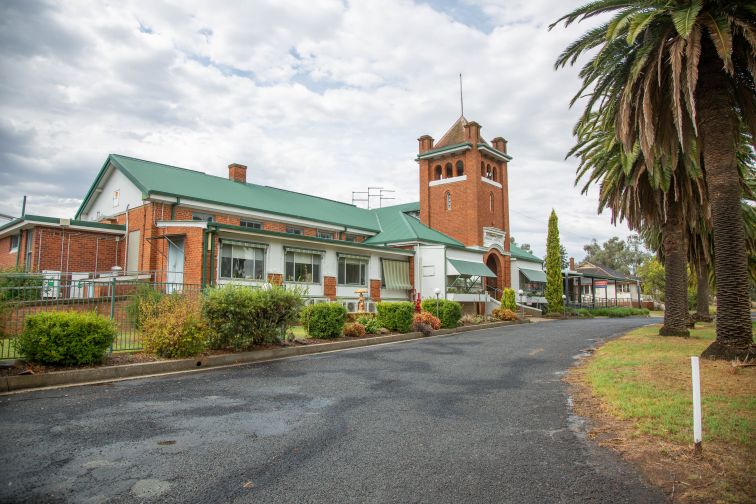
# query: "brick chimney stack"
426,143
500,144
472,132
572,264
237,172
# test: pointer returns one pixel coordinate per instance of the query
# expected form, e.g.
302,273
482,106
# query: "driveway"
477,417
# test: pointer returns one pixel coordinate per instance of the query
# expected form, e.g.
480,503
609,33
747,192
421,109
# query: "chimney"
572,264
426,143
472,132
237,172
499,144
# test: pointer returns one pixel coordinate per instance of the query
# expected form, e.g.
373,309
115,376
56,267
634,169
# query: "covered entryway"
492,283
175,276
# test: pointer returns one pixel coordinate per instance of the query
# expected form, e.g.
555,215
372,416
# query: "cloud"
324,97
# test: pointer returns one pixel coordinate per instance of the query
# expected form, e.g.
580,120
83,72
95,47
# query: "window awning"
244,243
534,275
469,268
304,251
396,274
354,257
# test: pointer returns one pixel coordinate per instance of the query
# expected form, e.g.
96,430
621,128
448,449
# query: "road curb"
105,374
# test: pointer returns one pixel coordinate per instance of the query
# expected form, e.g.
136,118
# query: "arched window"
488,171
495,177
449,170
482,169
490,201
448,200
438,172
460,168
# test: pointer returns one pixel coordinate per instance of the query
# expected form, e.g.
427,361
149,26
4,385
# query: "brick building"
142,219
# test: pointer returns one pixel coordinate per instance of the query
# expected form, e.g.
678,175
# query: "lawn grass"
637,388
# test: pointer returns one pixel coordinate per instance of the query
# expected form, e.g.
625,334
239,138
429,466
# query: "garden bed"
636,391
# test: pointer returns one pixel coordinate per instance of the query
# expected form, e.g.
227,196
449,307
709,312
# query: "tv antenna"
371,195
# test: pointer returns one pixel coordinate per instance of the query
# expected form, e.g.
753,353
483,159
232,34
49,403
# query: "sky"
319,96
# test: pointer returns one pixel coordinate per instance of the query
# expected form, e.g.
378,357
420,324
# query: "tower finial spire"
461,100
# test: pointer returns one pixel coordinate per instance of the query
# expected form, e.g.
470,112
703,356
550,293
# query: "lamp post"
437,291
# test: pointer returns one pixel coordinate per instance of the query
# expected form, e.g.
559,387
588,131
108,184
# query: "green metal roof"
534,275
161,179
523,254
41,219
471,268
398,227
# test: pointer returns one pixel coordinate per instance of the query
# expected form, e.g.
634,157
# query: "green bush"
508,300
65,338
240,317
324,320
145,295
173,326
615,312
450,312
396,316
15,285
370,323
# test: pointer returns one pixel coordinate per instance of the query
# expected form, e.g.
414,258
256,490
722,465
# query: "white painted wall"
431,262
130,197
516,265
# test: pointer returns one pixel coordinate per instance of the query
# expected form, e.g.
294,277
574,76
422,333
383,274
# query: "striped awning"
244,243
354,257
396,274
304,251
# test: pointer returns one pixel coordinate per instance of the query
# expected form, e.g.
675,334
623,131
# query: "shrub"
396,316
324,320
173,326
65,338
508,300
370,324
19,286
503,314
145,295
427,318
618,312
469,319
354,330
448,311
240,317
422,327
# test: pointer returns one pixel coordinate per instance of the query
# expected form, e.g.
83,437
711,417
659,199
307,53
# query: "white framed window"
14,243
251,224
242,262
116,197
326,235
302,267
448,200
352,271
199,216
294,230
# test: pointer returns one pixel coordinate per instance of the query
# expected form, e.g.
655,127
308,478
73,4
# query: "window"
14,243
251,224
302,267
491,201
482,169
242,262
116,197
352,270
439,172
489,174
351,237
29,244
325,235
449,170
494,175
448,200
198,216
460,168
294,230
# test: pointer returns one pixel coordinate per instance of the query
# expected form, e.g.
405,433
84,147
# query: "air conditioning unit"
50,284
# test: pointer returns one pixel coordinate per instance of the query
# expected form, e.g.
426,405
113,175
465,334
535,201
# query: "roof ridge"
309,195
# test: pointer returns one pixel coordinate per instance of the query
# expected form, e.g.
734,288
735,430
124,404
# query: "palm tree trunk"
718,131
702,291
674,241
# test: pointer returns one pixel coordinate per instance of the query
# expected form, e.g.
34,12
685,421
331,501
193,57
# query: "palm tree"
677,77
647,195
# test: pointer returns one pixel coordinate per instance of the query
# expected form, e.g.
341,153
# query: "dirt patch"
723,472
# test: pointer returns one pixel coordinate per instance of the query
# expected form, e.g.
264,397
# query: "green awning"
469,268
534,275
396,274
304,251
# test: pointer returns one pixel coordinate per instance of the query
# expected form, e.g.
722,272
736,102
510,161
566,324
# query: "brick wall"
375,290
329,287
7,258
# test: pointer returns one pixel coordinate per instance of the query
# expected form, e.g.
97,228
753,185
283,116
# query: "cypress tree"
554,287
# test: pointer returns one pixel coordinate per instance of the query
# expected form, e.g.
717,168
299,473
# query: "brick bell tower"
464,192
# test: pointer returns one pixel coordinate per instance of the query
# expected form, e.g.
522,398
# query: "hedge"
450,312
324,320
173,326
66,338
396,316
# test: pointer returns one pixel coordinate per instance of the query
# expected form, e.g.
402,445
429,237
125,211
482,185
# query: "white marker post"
697,436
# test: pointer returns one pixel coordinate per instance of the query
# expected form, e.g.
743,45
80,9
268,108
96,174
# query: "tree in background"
554,285
651,274
563,256
524,246
619,255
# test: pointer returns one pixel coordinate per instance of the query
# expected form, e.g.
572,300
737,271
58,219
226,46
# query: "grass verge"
637,391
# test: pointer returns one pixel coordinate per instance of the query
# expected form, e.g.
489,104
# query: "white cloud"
319,96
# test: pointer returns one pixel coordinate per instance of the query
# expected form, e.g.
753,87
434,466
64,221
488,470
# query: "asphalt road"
476,417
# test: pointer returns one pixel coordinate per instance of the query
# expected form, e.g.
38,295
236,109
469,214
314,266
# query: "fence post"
112,306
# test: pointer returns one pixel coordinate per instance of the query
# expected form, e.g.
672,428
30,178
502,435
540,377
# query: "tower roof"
455,135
